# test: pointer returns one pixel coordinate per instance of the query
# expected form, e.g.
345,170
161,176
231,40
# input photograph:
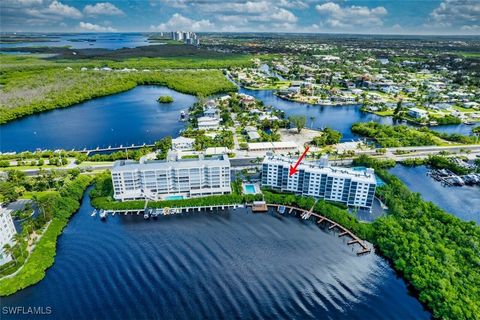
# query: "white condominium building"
320,180
157,180
7,231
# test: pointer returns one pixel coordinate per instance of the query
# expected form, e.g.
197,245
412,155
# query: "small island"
165,99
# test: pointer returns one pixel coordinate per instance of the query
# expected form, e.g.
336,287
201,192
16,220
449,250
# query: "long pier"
305,214
120,148
178,209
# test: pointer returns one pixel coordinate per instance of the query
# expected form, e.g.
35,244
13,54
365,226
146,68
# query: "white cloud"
230,21
274,19
238,6
456,12
471,28
102,8
87,26
179,22
58,8
55,11
351,17
283,15
294,4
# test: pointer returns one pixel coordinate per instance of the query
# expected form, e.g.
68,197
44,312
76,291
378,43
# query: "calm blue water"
228,265
122,119
463,202
102,40
136,117
340,118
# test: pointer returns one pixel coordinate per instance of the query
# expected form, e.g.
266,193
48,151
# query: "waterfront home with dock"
320,180
176,179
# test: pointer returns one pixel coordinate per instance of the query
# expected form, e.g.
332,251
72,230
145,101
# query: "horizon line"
248,32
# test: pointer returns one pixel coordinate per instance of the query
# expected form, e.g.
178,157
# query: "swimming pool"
249,189
380,182
174,198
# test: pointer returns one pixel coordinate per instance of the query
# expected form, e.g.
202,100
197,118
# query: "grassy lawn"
270,86
462,109
386,113
470,54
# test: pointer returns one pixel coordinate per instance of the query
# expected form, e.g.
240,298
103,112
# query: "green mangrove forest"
403,136
30,85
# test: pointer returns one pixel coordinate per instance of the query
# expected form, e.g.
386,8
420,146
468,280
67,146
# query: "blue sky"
342,16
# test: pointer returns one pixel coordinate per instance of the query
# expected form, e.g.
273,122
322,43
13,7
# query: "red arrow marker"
294,170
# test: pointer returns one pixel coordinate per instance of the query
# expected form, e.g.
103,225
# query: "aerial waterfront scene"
184,159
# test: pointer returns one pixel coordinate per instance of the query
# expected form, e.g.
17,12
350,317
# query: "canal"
340,118
214,265
463,202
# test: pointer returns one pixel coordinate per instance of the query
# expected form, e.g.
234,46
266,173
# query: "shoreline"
43,256
332,104
8,115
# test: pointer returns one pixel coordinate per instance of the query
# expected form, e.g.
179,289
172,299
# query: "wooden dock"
120,148
178,209
259,206
364,248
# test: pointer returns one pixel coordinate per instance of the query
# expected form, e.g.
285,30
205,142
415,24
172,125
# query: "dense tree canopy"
328,137
298,122
404,136
438,253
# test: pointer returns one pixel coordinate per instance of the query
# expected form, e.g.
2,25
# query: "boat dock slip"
344,231
121,148
155,212
259,206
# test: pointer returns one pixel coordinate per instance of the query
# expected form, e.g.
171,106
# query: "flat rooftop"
367,175
130,165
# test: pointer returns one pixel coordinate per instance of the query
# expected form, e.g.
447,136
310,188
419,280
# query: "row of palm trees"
10,250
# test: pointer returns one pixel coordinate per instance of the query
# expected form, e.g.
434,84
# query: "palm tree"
18,238
8,249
